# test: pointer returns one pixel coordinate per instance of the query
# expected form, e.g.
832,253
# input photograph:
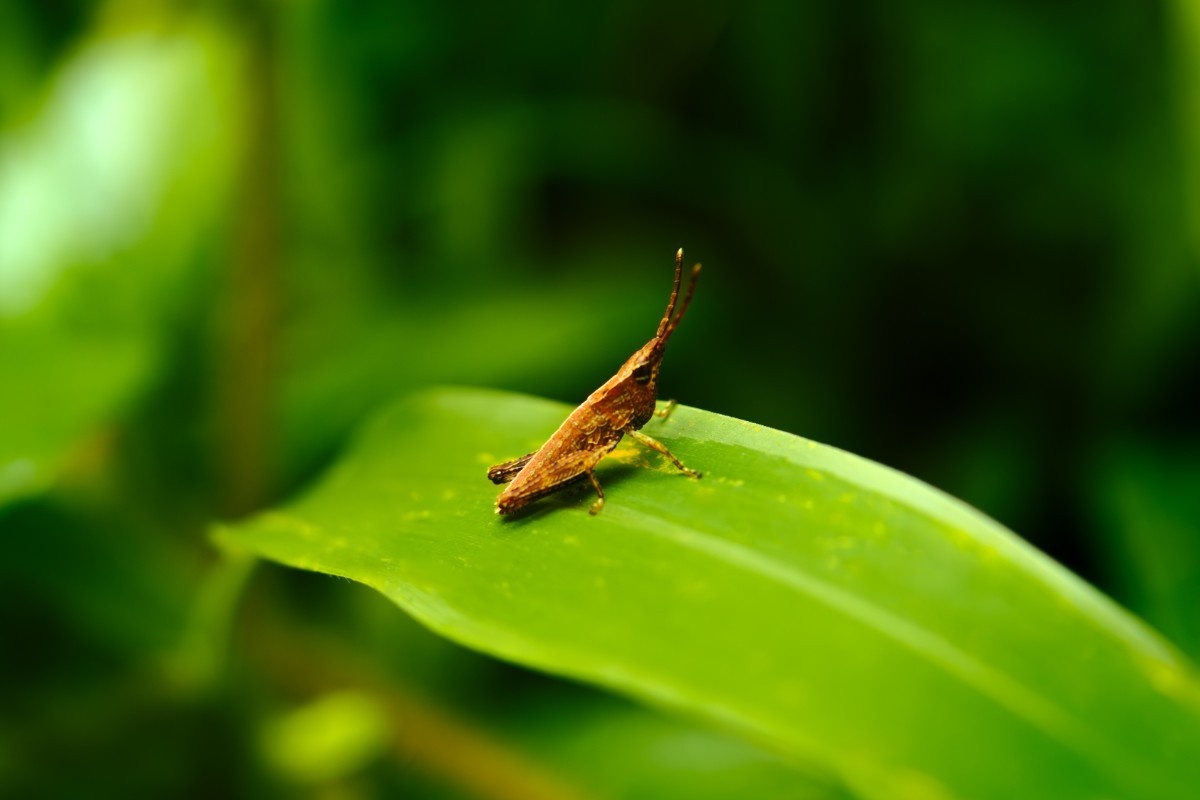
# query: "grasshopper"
621,406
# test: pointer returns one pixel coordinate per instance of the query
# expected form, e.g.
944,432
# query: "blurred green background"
961,240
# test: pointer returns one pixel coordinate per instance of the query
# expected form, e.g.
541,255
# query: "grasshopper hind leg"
659,447
503,473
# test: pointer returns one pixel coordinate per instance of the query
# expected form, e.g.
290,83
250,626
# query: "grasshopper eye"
641,373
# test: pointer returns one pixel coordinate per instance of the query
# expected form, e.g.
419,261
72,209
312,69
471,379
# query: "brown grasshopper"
622,405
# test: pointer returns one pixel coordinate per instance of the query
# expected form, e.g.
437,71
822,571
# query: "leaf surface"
833,608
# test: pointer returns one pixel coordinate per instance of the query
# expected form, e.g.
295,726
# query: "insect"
621,406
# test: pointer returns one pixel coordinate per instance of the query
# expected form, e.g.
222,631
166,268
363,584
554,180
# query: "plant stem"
247,373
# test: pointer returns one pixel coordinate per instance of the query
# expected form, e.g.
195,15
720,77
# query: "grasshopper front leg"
665,411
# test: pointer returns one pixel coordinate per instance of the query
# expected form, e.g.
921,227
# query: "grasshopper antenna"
666,320
687,300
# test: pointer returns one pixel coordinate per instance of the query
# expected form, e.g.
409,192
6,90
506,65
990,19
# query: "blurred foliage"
959,240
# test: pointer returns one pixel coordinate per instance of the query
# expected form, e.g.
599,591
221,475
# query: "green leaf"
833,608
106,195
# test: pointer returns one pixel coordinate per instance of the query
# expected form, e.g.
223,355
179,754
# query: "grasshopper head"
638,376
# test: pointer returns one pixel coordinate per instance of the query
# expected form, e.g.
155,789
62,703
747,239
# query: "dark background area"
957,239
